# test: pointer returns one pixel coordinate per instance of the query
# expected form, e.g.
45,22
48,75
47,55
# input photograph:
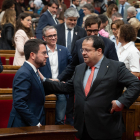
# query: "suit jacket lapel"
35,77
51,18
63,35
102,71
48,65
59,57
82,77
75,32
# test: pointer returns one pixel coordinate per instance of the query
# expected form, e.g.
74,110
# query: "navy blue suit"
64,58
45,19
28,99
109,52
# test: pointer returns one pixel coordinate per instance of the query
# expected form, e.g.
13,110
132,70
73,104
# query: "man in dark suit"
28,92
47,18
92,25
59,58
71,16
98,85
75,3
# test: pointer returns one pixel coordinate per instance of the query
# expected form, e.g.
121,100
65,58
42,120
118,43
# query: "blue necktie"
122,10
38,76
69,40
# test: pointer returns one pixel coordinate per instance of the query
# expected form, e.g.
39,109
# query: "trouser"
61,104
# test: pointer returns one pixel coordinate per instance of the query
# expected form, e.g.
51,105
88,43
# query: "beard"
40,63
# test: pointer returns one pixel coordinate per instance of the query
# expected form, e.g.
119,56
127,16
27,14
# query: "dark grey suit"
77,34
94,110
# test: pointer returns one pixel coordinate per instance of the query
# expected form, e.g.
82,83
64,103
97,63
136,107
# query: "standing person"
69,26
98,84
123,8
59,58
75,4
62,8
68,34
8,28
28,93
92,25
115,26
127,52
47,18
23,34
110,11
7,4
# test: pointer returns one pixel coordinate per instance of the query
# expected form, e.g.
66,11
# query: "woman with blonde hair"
110,11
115,26
136,24
22,35
8,24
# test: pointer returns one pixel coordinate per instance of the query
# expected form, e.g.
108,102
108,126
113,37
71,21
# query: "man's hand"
55,80
115,107
41,76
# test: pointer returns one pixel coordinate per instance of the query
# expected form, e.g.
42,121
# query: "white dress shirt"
53,58
66,34
53,16
120,8
113,39
130,55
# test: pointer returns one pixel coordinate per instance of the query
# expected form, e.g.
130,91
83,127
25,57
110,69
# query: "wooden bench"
10,69
7,54
138,46
47,132
50,102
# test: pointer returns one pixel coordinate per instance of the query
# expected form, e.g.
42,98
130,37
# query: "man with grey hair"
131,12
68,33
59,58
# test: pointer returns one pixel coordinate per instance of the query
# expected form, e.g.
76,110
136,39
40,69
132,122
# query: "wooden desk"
47,132
138,46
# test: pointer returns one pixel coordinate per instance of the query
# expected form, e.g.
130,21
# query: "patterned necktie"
122,10
69,40
38,76
88,85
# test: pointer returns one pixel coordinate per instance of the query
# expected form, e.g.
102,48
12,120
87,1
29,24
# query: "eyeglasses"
86,50
51,36
44,53
94,31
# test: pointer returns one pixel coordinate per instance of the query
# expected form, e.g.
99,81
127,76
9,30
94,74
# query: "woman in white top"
7,4
127,52
23,34
115,26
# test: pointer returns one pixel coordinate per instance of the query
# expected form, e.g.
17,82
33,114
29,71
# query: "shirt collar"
98,64
54,16
128,44
34,68
73,5
67,27
123,5
49,50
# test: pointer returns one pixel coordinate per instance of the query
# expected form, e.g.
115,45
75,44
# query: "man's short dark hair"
53,2
97,42
32,45
92,20
89,7
103,18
